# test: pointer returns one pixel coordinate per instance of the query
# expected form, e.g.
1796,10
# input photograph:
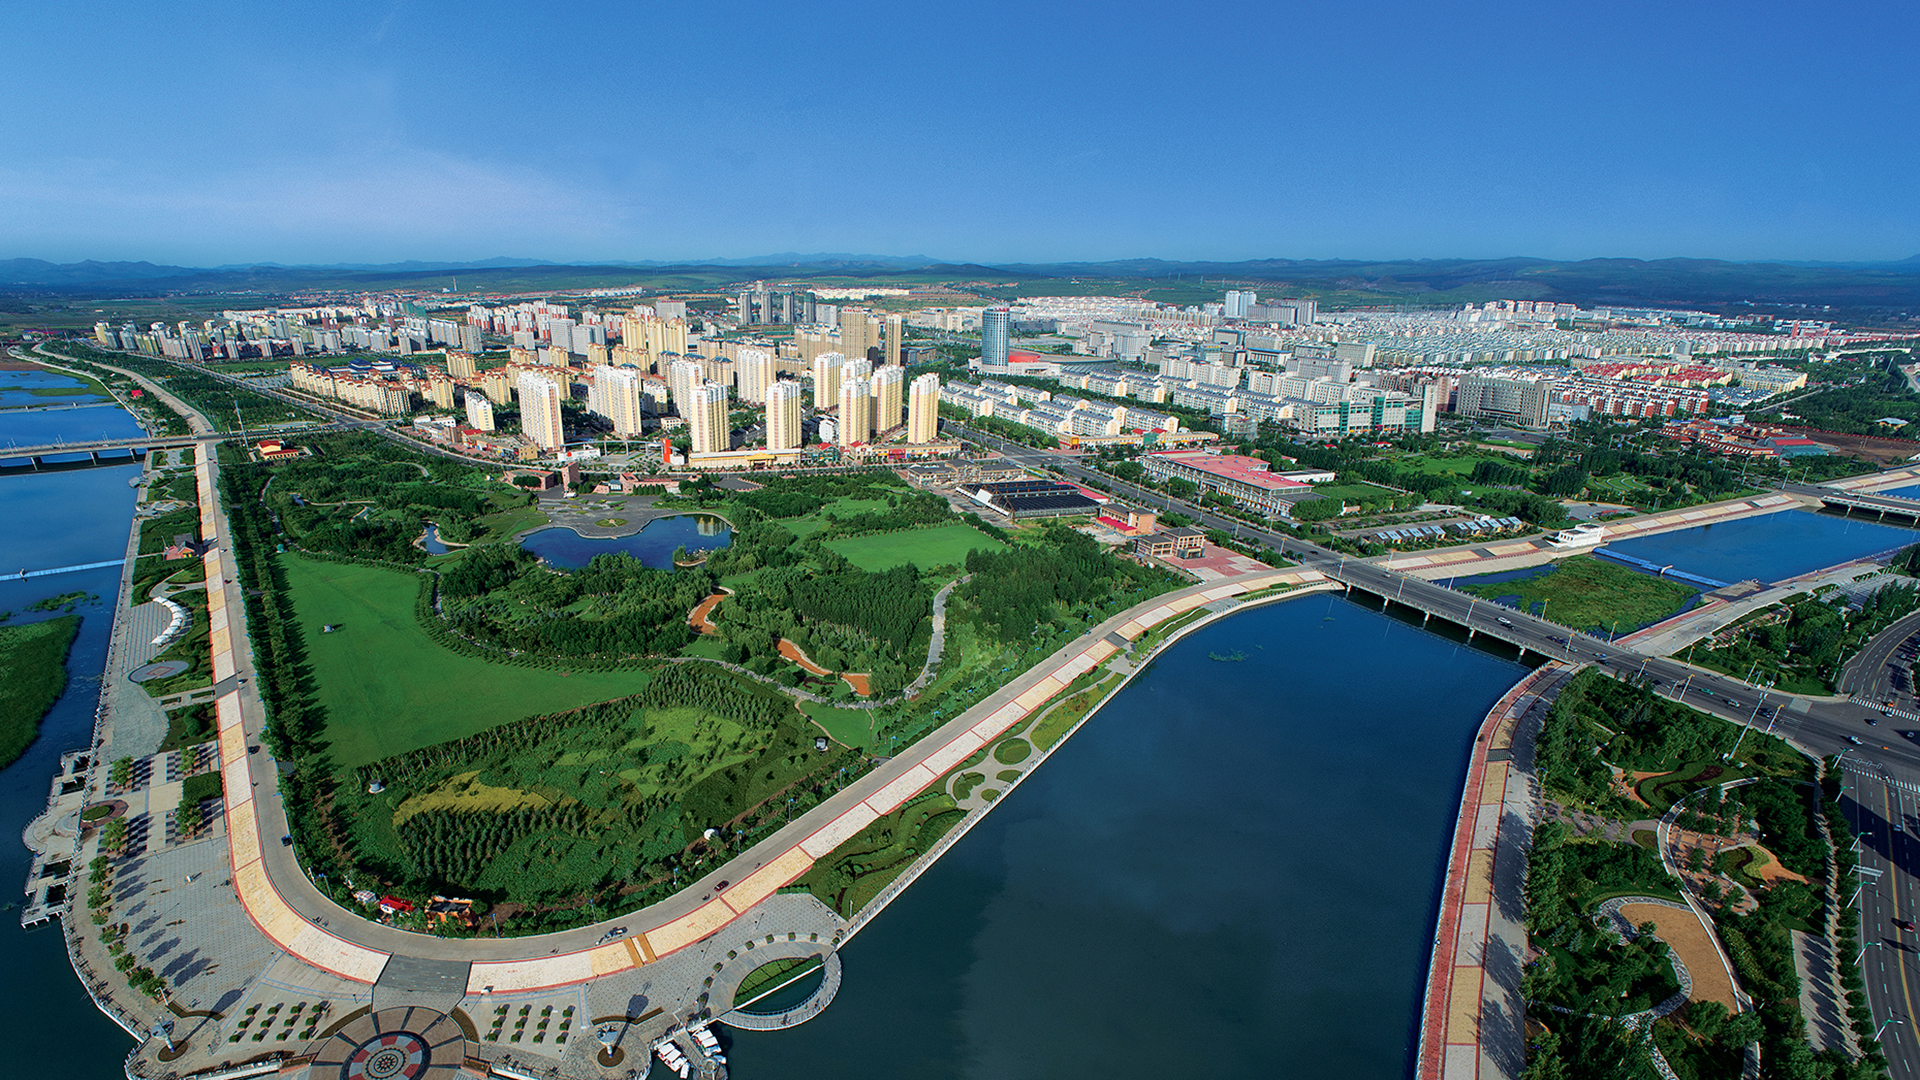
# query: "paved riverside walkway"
1472,1022
295,915
1495,556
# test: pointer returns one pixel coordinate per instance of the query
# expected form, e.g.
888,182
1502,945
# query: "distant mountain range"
1884,290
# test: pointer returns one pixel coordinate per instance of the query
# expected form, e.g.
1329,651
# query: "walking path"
1473,1019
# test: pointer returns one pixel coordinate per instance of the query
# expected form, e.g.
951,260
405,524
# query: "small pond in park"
654,545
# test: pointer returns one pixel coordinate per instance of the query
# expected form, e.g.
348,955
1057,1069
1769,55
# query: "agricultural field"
944,545
387,687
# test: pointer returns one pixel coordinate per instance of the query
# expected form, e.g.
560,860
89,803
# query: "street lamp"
1883,1026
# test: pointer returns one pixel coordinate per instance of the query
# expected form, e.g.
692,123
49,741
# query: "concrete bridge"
1881,506
133,447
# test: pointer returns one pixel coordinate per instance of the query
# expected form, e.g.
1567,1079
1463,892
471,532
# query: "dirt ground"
1877,449
1689,940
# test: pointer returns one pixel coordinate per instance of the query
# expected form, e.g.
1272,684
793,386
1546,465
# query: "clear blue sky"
215,132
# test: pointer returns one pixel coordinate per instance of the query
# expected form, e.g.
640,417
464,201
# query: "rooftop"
1246,470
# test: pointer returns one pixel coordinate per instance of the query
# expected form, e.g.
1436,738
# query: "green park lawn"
844,506
1442,466
1588,593
945,545
1353,493
387,688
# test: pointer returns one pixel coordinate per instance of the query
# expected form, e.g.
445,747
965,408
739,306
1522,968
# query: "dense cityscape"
941,543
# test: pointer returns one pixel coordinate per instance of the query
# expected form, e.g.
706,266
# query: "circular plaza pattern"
393,1044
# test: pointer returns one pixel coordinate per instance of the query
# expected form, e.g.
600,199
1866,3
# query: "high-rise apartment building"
753,371
616,396
923,410
896,335
996,329
783,415
889,386
858,332
856,412
479,412
855,368
497,385
683,378
828,370
707,420
1516,401
540,400
460,365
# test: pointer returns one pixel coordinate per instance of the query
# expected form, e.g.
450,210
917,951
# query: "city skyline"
978,134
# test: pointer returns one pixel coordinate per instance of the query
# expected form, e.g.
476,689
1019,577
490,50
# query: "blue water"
16,387
38,427
57,519
1901,492
1231,871
1769,548
653,545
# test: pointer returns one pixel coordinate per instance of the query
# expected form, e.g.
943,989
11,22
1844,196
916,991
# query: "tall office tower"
856,412
855,368
707,423
540,410
828,369
923,410
479,412
783,416
618,393
460,365
996,325
856,333
683,378
896,331
889,383
754,372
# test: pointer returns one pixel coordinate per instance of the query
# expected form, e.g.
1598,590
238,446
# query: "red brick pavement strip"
1446,939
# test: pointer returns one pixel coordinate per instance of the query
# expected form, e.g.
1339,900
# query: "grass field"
1587,593
387,688
849,727
1353,493
945,545
33,672
1442,466
809,524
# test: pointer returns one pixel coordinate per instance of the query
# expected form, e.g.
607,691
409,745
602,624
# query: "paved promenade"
1472,1022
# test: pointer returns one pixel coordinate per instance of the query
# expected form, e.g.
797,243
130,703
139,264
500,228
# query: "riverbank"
1496,557
33,675
1472,1021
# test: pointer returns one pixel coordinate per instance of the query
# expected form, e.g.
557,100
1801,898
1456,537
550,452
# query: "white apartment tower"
923,410
479,411
889,384
827,371
753,371
896,335
707,420
856,412
540,410
683,379
616,394
783,415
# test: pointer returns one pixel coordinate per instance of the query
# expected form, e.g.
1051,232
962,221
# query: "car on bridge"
1503,620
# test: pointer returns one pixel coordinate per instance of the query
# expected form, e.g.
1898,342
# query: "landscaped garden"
1599,733
556,744
1801,645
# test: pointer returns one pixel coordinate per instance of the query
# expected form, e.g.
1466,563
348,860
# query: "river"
56,519
1231,871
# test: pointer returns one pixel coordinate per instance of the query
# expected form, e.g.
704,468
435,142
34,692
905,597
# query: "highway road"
1882,672
1887,751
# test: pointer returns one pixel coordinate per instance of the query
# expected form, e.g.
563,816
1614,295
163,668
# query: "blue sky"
215,132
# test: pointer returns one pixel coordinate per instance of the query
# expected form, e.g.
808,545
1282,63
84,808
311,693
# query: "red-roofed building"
1249,481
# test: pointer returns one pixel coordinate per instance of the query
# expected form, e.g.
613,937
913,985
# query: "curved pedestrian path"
297,917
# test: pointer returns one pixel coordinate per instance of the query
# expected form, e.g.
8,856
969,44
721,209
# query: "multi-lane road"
1881,751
